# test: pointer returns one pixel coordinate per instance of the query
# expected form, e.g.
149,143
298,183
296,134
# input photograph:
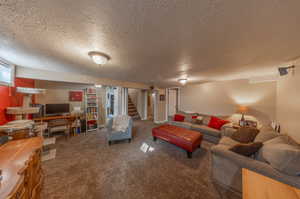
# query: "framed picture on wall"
75,96
162,98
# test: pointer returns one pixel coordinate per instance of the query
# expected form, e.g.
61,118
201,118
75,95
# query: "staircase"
132,111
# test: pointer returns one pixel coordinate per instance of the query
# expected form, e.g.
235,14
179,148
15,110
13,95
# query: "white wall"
288,104
161,106
223,98
58,92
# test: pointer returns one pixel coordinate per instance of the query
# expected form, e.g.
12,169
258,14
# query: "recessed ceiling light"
99,58
182,81
98,85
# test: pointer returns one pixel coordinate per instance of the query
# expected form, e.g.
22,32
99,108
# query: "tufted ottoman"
184,138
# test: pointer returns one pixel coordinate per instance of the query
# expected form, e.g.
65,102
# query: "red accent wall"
9,97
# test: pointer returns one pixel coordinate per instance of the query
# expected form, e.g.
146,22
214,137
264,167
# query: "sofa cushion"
189,117
264,136
179,118
228,141
245,134
228,131
206,130
217,123
181,124
277,140
246,149
283,157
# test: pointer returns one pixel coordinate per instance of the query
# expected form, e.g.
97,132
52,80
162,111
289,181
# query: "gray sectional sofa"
279,158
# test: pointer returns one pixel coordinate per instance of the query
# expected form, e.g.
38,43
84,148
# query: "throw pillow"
206,120
194,119
179,118
217,123
246,149
245,134
199,120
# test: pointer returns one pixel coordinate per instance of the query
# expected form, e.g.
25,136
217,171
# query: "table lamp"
242,110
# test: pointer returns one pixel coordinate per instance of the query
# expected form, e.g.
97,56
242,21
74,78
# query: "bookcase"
91,109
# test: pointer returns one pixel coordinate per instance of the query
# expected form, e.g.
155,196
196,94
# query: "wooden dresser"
20,162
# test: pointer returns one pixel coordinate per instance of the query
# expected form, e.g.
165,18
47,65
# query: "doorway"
173,101
150,105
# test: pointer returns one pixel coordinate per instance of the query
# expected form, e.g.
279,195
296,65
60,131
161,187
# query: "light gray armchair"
114,134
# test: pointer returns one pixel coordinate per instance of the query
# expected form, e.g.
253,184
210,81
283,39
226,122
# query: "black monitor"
57,109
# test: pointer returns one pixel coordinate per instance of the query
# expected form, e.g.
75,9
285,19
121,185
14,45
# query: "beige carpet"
87,168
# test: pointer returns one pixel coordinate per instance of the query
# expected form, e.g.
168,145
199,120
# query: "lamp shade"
242,109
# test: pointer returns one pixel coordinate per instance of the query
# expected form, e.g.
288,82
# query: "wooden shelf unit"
91,109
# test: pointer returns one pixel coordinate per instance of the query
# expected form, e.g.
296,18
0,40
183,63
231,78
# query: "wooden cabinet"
257,186
21,169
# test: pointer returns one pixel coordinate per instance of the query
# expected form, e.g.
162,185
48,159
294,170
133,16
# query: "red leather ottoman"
184,138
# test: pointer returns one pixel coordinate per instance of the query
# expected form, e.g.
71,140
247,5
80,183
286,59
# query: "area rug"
87,167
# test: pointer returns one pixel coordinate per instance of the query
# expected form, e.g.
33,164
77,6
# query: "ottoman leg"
154,138
189,154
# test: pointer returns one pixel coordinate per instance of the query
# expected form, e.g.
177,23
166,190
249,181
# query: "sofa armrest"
255,165
227,129
130,126
109,124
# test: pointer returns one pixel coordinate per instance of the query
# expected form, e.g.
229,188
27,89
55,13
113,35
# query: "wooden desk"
257,186
49,118
14,158
70,119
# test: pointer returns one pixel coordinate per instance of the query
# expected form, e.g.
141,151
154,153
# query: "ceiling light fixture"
98,57
182,81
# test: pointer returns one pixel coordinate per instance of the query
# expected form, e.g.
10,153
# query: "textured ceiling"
152,41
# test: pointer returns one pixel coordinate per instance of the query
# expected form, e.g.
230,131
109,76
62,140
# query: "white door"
172,102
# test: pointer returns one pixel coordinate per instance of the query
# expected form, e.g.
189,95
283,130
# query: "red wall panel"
9,97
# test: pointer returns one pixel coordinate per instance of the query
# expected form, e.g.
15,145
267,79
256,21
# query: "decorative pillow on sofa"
206,120
246,149
245,134
216,123
197,119
179,118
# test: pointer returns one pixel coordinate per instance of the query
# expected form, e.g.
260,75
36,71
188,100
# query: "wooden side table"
257,186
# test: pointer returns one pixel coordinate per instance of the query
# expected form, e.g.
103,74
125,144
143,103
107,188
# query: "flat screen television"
57,109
